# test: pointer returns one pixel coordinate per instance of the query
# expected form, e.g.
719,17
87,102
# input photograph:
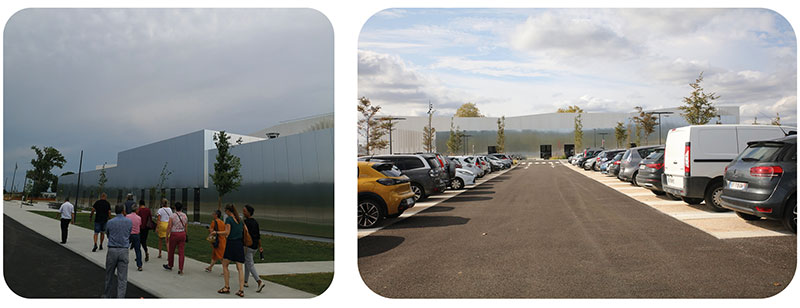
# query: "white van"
695,158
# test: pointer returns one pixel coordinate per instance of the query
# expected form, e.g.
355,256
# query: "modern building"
536,135
287,179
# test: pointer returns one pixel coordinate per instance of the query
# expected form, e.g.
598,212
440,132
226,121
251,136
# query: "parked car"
503,157
696,156
424,171
496,163
463,177
484,163
762,182
576,158
614,163
383,191
588,156
604,157
468,162
650,170
629,166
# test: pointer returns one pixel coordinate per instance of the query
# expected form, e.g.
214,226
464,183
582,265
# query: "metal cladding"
288,180
527,134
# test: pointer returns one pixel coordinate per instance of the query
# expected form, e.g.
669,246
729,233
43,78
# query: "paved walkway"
194,283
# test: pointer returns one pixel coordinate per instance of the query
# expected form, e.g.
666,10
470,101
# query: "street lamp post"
659,113
595,137
391,128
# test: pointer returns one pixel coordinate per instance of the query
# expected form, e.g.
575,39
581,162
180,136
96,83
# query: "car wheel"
633,179
419,192
714,197
673,197
658,193
370,213
457,184
790,214
692,201
746,216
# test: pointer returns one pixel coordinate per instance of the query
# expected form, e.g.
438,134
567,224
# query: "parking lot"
545,229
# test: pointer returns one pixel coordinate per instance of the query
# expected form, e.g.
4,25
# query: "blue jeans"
99,227
137,247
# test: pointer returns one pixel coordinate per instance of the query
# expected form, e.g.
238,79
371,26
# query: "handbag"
248,241
213,238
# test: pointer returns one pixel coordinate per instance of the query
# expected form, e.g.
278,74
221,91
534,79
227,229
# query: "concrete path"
194,283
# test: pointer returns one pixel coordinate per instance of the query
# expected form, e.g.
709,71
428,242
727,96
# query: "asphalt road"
547,232
36,267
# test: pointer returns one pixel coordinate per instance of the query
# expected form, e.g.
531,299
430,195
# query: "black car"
588,154
613,165
762,182
650,170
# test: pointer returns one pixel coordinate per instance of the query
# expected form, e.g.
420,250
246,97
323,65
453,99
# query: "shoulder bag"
248,241
185,230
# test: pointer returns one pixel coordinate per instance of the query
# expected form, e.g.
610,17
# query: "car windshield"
387,170
761,152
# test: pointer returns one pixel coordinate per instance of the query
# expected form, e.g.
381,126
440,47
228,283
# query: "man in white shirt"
65,213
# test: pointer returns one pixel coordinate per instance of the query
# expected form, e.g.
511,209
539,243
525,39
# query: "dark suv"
629,165
650,170
424,170
762,182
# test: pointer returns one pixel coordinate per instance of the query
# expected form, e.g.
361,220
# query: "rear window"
387,170
618,156
647,151
657,154
761,152
433,162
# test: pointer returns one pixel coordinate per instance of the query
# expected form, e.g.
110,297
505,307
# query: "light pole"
391,128
603,139
595,137
659,113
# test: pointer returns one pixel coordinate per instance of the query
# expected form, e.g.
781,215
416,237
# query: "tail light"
687,167
655,166
726,170
390,181
616,162
477,164
598,158
766,171
764,209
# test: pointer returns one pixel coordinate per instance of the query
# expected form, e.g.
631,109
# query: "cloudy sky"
104,81
516,62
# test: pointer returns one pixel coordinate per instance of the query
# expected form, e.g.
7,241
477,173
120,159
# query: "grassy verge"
276,248
315,283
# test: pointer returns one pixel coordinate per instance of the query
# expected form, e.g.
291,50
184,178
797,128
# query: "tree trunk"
219,202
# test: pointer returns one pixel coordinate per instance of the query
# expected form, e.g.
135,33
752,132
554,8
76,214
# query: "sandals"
240,293
224,290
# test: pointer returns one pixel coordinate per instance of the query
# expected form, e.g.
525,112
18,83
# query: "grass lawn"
315,283
276,248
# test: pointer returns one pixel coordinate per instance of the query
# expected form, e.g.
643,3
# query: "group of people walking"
234,240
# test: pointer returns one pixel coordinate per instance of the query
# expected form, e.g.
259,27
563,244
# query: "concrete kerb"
194,283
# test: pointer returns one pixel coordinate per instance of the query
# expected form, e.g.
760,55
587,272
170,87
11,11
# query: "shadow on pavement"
438,209
377,244
424,221
482,187
459,198
478,192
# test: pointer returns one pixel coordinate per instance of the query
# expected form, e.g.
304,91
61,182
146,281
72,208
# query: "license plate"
737,185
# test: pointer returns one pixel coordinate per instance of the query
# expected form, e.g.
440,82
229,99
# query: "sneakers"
101,246
146,257
260,286
166,267
95,248
139,269
245,285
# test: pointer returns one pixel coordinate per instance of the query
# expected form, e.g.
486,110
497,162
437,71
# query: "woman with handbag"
147,225
217,242
177,236
234,248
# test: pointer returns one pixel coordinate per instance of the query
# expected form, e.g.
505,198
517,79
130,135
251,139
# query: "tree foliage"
370,126
456,140
620,133
501,134
699,107
102,179
41,176
646,122
468,110
162,181
578,134
570,109
227,174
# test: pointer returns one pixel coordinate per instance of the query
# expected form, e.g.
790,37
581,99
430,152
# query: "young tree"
102,179
570,109
227,174
428,132
468,110
620,133
42,177
455,141
646,121
162,181
370,126
699,108
501,134
578,132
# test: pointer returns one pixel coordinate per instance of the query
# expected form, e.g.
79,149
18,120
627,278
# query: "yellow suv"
383,191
